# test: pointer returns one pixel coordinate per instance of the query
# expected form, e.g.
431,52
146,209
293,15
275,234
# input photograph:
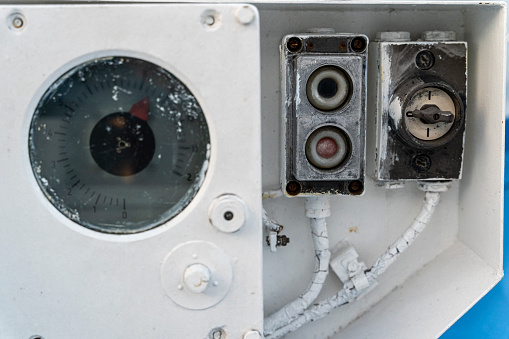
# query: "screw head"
359,44
424,60
356,187
421,163
293,188
294,44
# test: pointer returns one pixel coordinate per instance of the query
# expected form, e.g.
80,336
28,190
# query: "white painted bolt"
252,335
392,36
228,213
196,278
352,266
245,15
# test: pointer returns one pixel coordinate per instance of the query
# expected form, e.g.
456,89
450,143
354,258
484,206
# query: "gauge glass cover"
119,145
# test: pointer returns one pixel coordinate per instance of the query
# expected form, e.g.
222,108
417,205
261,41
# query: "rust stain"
353,229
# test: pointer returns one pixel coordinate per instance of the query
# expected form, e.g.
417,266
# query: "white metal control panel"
137,139
134,210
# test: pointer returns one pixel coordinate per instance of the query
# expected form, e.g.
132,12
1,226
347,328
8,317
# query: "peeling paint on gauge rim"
137,98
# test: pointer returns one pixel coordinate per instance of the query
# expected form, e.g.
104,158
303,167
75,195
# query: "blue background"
489,318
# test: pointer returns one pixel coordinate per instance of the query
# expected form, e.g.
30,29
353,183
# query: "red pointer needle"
140,109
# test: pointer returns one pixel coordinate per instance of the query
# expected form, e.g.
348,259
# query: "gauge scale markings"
115,149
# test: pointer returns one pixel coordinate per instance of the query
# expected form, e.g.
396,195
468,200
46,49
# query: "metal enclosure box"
399,154
301,118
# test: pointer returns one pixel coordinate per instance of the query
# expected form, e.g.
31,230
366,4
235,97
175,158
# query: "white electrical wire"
269,223
349,293
317,209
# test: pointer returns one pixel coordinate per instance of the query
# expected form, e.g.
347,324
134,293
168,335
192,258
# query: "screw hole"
228,215
211,20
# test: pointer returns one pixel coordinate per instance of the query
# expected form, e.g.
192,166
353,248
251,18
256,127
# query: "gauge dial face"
119,145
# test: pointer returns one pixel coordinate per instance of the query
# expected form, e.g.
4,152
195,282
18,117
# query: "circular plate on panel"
198,263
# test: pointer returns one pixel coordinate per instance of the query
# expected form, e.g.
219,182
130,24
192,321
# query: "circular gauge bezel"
164,224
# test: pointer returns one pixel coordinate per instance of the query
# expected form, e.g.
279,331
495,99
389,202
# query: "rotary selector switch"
430,113
421,107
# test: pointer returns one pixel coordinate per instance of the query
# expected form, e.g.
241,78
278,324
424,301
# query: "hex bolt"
424,60
421,163
352,266
245,15
438,36
392,36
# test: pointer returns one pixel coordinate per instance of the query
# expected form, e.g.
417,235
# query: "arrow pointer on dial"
140,109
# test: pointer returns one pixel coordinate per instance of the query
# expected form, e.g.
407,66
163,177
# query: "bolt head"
421,163
352,266
197,278
245,15
425,60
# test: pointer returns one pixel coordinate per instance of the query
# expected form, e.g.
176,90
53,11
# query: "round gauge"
119,145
